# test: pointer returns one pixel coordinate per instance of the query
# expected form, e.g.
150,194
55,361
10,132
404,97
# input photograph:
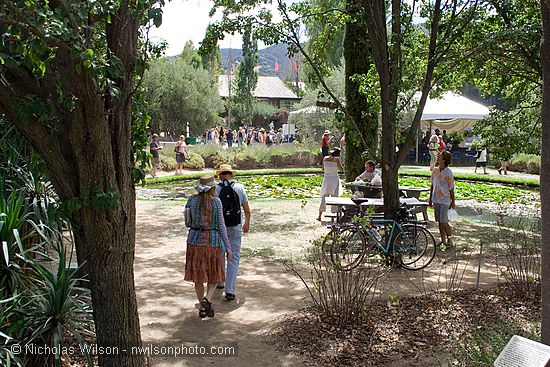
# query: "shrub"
525,163
168,163
194,161
340,297
259,156
519,259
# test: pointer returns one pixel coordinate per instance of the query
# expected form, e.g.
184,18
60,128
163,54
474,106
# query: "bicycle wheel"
415,246
348,249
329,241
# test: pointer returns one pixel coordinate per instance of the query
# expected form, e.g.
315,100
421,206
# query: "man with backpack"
234,203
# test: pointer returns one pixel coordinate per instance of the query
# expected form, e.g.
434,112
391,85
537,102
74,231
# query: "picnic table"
370,191
344,205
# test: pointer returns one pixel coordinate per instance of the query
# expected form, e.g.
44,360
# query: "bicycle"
400,242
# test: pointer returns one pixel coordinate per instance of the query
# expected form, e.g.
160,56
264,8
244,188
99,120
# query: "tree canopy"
177,92
503,62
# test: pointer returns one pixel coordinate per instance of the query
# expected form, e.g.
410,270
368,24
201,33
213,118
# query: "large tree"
67,80
409,59
545,171
363,110
336,29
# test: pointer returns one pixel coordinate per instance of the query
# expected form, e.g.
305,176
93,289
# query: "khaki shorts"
156,162
441,213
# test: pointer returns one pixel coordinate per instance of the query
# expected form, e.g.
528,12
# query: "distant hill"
266,60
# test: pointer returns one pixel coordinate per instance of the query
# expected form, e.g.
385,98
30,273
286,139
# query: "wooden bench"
332,216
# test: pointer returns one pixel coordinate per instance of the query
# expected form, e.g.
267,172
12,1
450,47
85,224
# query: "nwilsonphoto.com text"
181,350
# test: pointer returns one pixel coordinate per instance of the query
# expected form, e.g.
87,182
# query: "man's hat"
326,132
225,168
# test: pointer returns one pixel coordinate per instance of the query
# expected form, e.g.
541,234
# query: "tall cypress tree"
247,77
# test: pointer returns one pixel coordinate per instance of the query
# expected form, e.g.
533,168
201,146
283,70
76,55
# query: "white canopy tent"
452,113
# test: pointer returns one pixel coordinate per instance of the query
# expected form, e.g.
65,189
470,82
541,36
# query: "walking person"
155,149
442,195
207,241
481,160
503,166
235,202
331,185
181,152
229,137
433,145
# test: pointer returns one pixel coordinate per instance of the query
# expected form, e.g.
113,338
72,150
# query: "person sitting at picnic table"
331,185
369,173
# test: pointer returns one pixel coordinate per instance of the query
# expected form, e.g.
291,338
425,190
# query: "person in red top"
325,143
440,142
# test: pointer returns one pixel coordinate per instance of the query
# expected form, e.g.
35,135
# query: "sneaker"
220,286
229,296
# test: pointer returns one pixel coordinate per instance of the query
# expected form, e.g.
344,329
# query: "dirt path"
168,308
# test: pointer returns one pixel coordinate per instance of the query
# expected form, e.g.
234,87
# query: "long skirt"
203,264
331,186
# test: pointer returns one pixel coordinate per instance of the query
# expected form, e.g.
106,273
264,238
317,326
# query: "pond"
506,215
480,202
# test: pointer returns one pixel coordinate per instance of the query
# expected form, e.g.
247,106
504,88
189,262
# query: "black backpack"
231,204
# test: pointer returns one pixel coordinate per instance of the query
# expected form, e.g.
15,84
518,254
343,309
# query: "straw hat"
225,168
206,182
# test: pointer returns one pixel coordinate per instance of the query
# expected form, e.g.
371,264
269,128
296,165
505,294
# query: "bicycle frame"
394,231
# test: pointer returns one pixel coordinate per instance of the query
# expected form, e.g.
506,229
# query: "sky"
185,20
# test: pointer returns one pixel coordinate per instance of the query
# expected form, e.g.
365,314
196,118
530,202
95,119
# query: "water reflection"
506,216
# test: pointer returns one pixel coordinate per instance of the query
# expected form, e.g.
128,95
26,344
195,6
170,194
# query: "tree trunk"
85,141
358,60
545,172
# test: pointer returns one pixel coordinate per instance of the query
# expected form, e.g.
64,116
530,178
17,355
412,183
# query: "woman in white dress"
331,182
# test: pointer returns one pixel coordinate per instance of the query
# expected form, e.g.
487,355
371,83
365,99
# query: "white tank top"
330,167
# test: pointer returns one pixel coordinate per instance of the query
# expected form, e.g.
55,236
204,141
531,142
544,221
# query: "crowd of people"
246,135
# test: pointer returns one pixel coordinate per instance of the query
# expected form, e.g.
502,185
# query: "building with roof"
269,89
